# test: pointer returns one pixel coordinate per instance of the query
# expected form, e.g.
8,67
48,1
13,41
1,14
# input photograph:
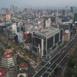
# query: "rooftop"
48,32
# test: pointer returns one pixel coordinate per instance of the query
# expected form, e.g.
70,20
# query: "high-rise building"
8,59
46,41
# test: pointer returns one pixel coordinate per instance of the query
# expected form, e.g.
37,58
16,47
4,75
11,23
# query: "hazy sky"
38,3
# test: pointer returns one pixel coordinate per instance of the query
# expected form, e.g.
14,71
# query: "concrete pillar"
42,47
46,48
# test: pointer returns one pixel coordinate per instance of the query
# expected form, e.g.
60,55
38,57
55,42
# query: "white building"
14,28
48,22
20,37
46,41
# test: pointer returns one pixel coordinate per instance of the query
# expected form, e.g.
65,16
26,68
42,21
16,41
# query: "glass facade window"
61,34
35,50
36,41
57,38
44,47
49,42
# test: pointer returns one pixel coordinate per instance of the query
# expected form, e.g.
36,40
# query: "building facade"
46,41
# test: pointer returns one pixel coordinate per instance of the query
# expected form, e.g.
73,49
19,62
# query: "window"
61,34
35,50
56,38
36,41
49,42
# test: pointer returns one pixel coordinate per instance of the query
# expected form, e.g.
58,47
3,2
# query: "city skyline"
37,3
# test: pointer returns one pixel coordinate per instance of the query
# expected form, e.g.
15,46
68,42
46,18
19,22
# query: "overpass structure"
49,66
